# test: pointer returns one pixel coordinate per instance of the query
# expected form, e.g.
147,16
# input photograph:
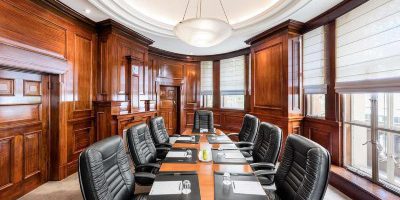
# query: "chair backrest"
203,119
158,131
140,144
249,130
304,170
268,143
104,171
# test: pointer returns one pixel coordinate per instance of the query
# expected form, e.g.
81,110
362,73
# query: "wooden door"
169,108
24,108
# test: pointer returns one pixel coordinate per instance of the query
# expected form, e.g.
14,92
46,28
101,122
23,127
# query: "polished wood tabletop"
205,170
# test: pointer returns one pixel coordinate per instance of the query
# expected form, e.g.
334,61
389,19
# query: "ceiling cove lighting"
203,31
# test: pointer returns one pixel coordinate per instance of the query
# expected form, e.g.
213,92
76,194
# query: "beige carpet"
68,189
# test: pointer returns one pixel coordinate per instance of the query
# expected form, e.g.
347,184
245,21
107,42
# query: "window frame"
375,130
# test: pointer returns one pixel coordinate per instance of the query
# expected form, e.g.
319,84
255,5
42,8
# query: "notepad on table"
248,187
233,155
166,187
184,139
227,146
176,154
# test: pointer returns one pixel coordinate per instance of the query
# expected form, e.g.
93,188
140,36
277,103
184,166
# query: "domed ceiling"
157,18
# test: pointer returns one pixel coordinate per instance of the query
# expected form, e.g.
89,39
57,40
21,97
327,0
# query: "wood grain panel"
191,83
5,162
23,26
31,154
268,77
6,87
171,70
32,88
14,113
83,73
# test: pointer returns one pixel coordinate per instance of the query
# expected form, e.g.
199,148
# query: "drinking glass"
227,178
186,187
188,153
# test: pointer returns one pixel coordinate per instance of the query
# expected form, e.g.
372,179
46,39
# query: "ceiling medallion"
203,31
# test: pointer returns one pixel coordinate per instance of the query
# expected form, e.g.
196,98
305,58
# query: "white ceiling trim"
126,14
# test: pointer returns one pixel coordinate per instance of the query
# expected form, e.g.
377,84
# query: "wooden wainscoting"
24,132
326,133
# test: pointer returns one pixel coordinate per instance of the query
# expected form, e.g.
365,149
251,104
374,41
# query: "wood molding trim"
191,58
112,25
289,25
331,14
17,55
60,7
357,187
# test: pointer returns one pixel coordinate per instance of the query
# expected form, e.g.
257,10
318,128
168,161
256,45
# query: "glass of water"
227,178
186,187
188,153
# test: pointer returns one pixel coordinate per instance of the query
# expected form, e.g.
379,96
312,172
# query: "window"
315,105
206,83
314,72
232,82
372,137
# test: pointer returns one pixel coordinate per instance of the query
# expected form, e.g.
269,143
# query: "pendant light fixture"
203,31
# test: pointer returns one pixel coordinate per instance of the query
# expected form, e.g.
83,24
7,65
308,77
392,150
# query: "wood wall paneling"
23,134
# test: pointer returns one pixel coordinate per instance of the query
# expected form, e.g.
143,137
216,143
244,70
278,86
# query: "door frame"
180,99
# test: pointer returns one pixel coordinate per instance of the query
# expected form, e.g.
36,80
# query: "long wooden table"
205,170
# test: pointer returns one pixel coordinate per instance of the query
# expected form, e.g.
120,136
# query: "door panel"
23,132
169,107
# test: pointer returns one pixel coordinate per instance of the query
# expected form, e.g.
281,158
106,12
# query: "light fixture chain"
187,5
223,9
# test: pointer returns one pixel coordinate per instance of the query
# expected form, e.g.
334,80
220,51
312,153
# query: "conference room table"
205,170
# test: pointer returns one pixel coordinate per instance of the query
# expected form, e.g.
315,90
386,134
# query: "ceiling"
156,18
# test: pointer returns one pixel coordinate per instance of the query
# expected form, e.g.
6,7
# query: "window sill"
357,187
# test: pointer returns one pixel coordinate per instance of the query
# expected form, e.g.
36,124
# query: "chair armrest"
245,149
233,135
168,145
262,165
175,135
264,172
147,167
144,177
244,144
162,152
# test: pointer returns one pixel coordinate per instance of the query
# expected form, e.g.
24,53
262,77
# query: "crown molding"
191,58
290,25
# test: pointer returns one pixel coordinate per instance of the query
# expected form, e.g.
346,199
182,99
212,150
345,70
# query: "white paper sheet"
223,138
227,146
166,187
184,138
203,130
172,140
176,154
233,155
248,187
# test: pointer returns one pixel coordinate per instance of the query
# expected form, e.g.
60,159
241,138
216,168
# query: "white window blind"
232,76
368,48
314,61
206,77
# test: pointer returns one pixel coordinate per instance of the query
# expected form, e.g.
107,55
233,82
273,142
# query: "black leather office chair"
266,150
159,132
104,172
247,134
203,119
145,155
303,172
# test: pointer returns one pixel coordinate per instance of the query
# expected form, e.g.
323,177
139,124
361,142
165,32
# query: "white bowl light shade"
203,32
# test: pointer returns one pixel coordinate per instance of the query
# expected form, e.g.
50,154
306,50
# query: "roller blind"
206,81
232,76
314,61
368,48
